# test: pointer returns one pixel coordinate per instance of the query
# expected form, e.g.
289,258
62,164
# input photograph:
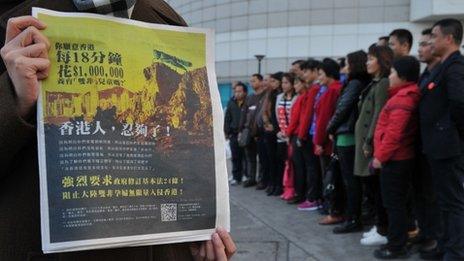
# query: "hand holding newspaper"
131,149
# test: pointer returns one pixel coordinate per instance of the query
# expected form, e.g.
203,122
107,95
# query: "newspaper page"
131,147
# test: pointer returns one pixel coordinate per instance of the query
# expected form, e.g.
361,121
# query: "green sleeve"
380,98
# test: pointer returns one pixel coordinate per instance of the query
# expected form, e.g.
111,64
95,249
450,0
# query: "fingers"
195,251
210,251
18,24
27,37
228,242
219,248
202,253
38,50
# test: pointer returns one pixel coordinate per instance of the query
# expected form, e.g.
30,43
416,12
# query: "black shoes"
261,186
348,226
430,252
277,192
270,190
249,183
386,253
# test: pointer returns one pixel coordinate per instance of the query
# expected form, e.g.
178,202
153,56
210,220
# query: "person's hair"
407,68
298,62
451,26
290,77
277,76
258,76
358,69
310,64
341,62
403,36
331,68
427,31
386,38
241,84
384,55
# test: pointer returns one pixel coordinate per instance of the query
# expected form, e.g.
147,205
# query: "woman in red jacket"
394,140
324,108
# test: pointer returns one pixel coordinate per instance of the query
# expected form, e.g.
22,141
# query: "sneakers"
309,205
374,239
370,232
235,182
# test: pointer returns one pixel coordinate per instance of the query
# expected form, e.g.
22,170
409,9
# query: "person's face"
266,81
373,67
439,41
310,75
398,48
346,69
239,93
322,77
296,70
394,79
274,83
299,86
286,85
255,83
425,49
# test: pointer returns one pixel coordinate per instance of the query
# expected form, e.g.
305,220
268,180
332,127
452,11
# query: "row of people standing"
396,139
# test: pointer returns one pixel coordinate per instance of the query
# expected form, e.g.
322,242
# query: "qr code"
168,212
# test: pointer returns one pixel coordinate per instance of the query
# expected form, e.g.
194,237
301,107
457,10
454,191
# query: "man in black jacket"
231,126
442,129
248,124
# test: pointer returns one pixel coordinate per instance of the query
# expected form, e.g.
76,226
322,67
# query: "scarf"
118,8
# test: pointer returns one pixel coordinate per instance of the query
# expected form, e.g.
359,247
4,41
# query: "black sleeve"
227,118
243,114
15,133
455,89
345,105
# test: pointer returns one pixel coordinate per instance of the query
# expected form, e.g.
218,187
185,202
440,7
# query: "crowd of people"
365,140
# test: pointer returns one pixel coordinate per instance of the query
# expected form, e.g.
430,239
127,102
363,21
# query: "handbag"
330,178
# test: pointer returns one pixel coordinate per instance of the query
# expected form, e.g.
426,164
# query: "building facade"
286,30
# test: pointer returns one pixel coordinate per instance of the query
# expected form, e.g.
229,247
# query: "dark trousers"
308,179
352,183
395,181
372,185
251,154
426,206
263,170
282,155
448,177
239,166
270,142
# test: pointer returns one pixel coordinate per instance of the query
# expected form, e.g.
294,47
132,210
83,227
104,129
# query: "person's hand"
367,153
221,247
269,127
319,150
376,164
331,137
25,55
